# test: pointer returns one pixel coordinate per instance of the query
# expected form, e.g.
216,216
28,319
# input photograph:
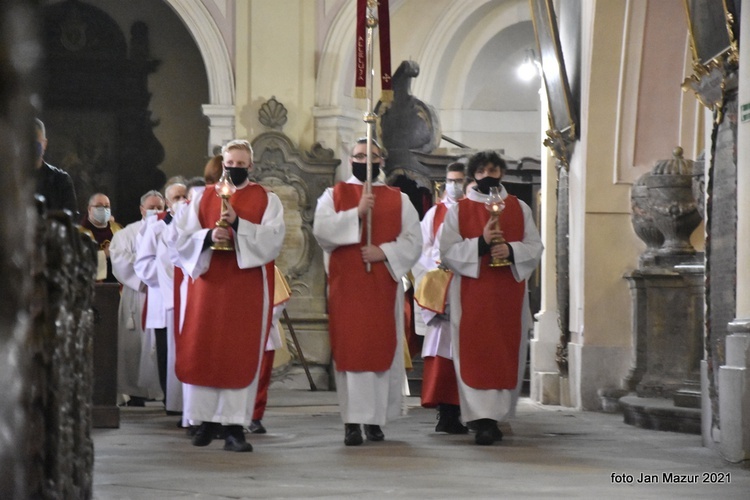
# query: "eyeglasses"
99,206
363,157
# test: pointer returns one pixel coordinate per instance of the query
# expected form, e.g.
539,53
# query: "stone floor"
550,452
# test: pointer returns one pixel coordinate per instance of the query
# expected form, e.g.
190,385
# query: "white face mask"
177,206
101,215
455,190
152,211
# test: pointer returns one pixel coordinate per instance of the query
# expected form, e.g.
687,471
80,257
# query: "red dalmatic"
362,321
223,333
490,327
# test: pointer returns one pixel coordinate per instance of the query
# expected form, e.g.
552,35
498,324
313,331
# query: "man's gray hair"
151,193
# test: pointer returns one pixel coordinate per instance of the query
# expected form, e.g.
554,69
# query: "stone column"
734,379
220,125
545,374
337,128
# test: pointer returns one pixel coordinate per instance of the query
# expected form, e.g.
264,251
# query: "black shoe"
352,435
449,420
191,430
487,432
256,427
374,433
136,401
205,434
235,439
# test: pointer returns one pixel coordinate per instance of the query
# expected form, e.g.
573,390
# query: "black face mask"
359,170
484,184
237,174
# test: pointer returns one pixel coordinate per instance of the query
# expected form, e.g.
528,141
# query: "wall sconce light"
529,69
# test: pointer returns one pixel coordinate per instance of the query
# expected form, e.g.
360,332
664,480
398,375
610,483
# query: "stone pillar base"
734,394
545,388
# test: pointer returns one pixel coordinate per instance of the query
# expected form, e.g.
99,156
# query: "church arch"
221,86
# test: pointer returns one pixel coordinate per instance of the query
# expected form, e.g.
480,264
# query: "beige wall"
631,65
276,58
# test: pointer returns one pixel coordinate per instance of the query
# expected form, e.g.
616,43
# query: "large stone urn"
673,206
643,221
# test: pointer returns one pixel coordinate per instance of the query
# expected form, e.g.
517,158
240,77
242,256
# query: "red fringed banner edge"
384,22
386,84
360,65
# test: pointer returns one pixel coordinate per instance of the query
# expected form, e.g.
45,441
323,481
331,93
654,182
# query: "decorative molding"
309,174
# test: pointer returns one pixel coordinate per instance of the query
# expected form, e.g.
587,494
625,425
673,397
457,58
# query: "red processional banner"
361,69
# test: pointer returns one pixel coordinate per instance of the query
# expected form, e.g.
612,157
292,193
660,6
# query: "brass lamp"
495,206
225,188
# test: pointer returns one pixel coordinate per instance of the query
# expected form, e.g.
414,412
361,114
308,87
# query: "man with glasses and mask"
439,387
98,224
229,301
490,315
366,308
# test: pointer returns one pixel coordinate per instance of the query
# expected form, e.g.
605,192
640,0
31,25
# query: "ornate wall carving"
298,178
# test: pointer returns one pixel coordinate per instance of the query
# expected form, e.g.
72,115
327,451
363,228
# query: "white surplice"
154,267
371,397
137,371
436,330
255,246
462,257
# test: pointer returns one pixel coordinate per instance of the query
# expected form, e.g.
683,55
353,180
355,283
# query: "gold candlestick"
225,188
495,206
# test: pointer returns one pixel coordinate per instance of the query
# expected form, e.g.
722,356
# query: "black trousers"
161,358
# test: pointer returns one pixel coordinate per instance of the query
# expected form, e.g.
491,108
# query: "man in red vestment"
229,300
490,315
366,308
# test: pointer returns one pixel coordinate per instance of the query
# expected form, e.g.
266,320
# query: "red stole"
362,322
223,333
490,329
440,210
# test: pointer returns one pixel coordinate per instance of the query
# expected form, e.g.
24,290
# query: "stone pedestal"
105,412
734,393
667,330
664,378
